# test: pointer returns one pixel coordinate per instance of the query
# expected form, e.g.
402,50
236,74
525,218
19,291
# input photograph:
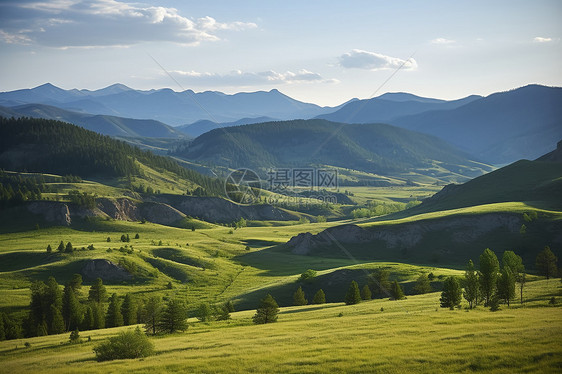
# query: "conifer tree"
49,249
98,314
267,311
88,320
76,283
152,314
129,310
114,318
60,248
68,248
97,292
471,286
299,297
546,263
71,309
489,268
353,295
451,295
422,285
366,293
204,313
396,291
57,321
174,317
319,297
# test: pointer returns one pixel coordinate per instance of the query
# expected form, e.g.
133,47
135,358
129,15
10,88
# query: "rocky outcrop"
52,211
104,269
160,213
215,209
463,229
120,209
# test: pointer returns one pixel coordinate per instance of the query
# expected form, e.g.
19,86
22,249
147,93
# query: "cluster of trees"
299,297
68,149
491,284
15,189
67,248
83,199
375,209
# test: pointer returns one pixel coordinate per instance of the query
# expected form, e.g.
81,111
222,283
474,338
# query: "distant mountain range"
372,148
102,124
200,127
500,128
166,105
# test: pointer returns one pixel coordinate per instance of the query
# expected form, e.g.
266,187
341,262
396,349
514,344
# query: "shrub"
75,337
307,275
128,344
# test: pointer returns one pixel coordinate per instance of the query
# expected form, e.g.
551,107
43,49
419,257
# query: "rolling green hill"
374,148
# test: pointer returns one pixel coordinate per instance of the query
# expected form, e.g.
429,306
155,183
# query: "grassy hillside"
412,335
375,148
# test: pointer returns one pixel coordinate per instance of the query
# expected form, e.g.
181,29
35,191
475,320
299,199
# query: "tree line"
62,148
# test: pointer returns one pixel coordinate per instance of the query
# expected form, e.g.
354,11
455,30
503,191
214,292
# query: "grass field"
412,335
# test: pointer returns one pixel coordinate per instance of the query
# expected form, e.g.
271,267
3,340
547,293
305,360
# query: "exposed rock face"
52,211
120,209
215,209
104,269
162,214
463,228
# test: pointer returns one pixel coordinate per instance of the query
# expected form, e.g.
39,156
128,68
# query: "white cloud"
83,23
442,41
360,59
540,39
238,77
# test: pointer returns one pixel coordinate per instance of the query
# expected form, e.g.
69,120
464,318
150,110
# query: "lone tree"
97,292
267,311
366,293
299,298
546,263
489,268
174,317
353,295
378,281
506,285
396,291
422,285
152,314
451,295
319,297
471,285
49,249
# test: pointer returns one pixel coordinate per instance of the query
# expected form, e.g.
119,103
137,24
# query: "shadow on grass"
14,261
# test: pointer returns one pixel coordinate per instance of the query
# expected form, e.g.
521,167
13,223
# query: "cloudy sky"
324,52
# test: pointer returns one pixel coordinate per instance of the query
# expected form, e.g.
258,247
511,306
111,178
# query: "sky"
323,52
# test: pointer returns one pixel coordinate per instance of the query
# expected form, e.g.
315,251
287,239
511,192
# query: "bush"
128,344
307,275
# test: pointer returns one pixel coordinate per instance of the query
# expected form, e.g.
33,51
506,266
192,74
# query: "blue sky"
315,51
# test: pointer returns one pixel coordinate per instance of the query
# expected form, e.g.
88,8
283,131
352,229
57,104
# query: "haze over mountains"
500,128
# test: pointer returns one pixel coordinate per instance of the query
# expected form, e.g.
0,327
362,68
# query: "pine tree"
97,292
319,297
506,285
422,285
88,320
76,283
396,291
129,310
69,248
49,249
451,295
546,263
57,321
267,311
60,248
114,318
71,309
152,314
366,292
42,329
378,281
174,317
204,313
299,297
353,295
471,286
98,314
489,268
